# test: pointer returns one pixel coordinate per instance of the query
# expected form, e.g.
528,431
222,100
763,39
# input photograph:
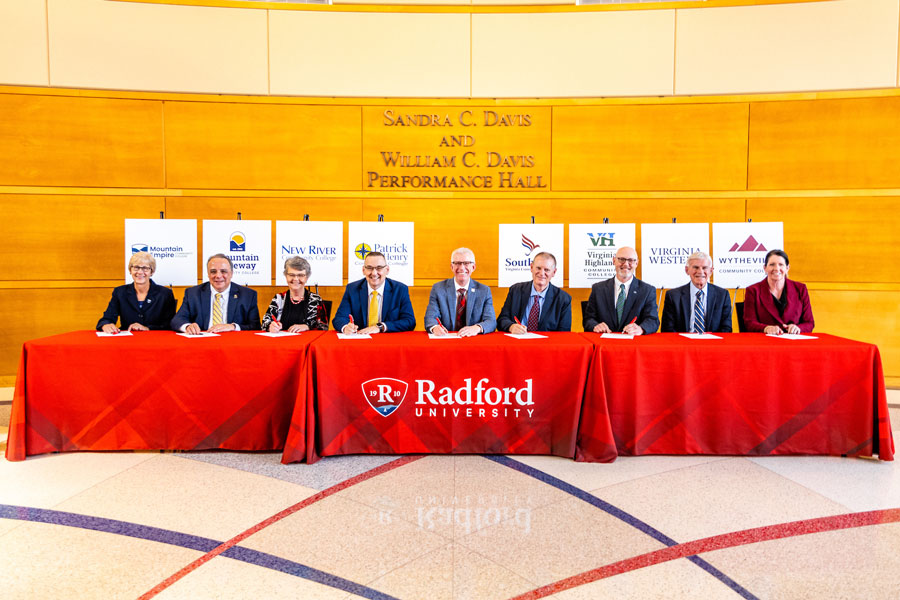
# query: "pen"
441,325
630,323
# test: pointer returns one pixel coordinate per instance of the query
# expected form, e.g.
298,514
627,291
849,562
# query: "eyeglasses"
295,275
462,263
144,269
630,261
370,268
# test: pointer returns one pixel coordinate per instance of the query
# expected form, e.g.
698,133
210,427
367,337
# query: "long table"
745,394
157,390
405,393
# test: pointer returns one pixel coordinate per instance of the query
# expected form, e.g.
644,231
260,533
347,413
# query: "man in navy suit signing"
217,305
375,304
622,303
459,303
537,304
698,306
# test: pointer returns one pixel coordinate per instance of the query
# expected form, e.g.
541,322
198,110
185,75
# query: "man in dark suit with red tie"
622,303
698,306
537,304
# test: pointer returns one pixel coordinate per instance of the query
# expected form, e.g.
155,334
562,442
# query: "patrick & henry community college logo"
384,394
361,250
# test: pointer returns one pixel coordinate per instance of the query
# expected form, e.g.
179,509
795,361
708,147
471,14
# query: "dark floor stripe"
619,514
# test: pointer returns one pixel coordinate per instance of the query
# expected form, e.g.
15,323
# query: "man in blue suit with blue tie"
217,305
698,306
459,303
375,304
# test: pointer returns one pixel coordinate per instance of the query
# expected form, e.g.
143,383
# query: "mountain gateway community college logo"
384,394
238,242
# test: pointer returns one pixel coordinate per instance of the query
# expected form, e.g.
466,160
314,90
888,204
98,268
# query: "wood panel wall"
74,164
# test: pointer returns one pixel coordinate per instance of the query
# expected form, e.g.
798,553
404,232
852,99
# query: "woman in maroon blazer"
777,304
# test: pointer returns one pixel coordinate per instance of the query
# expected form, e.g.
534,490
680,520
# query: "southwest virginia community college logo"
529,245
386,394
237,243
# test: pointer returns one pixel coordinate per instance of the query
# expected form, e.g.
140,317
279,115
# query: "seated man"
217,305
537,304
460,303
622,303
697,306
375,304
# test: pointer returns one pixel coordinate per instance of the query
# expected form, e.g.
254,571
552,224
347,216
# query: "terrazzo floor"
242,525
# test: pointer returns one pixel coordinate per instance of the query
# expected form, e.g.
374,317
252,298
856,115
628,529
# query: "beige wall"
452,51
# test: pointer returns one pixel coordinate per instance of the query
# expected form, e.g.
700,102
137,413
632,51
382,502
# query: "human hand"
469,331
602,328
109,328
138,327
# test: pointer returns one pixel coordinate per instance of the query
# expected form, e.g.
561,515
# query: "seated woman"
297,309
142,305
777,304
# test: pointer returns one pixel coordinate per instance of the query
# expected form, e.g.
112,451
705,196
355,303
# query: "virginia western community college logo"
749,245
384,394
529,245
135,248
238,242
362,250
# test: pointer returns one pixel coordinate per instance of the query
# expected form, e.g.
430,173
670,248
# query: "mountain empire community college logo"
361,251
238,242
384,394
135,248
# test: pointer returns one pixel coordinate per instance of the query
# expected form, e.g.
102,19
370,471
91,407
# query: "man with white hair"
697,306
460,303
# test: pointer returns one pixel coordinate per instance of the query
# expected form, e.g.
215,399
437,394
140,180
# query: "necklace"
295,301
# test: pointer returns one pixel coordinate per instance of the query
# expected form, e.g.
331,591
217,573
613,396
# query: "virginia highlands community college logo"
529,245
135,248
749,245
602,239
384,394
362,250
238,242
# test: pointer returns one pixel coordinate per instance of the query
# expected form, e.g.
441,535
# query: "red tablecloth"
746,394
487,394
156,390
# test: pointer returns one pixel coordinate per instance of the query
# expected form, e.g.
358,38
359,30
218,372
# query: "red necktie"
534,315
460,308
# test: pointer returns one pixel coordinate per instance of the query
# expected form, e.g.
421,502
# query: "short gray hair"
462,251
698,255
298,263
219,255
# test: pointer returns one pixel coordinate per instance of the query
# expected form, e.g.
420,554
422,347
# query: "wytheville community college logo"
529,245
238,242
384,394
749,245
135,248
362,250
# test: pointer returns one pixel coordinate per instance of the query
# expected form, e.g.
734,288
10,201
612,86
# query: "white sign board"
592,248
519,244
247,243
172,242
394,240
739,251
319,242
665,248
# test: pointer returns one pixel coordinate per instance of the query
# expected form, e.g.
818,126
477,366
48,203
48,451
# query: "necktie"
460,308
373,309
620,303
217,310
698,313
534,315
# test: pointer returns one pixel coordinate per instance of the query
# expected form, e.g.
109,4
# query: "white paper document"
448,336
526,336
278,333
120,334
793,336
202,334
701,336
617,336
354,336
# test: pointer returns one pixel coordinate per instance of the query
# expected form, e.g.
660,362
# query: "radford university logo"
384,394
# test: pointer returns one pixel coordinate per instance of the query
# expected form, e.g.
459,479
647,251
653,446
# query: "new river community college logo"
529,245
362,250
135,248
384,394
238,242
749,245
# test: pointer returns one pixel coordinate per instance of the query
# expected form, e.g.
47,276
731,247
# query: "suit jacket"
640,303
242,308
159,307
556,314
679,301
442,305
396,309
760,309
